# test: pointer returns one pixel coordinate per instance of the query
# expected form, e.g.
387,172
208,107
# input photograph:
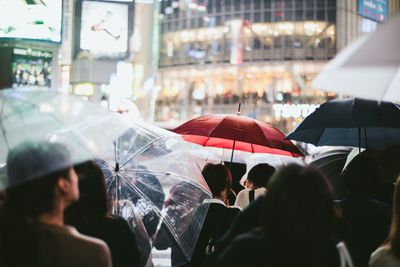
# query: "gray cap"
31,160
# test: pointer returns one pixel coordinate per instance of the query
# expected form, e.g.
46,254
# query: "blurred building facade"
262,53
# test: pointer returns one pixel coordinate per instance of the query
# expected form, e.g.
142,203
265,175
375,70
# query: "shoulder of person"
383,257
87,241
235,208
243,192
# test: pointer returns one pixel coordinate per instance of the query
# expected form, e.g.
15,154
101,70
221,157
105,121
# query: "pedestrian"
41,183
365,220
91,216
297,226
388,254
256,184
218,215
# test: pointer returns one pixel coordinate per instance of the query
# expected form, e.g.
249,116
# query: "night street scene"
200,133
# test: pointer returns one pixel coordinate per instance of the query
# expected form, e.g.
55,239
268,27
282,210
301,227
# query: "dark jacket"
119,237
216,223
366,224
252,249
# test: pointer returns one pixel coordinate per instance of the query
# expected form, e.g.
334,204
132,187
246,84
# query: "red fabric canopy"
237,132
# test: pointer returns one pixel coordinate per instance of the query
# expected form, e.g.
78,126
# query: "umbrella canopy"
218,155
387,167
141,163
369,68
331,163
351,122
237,133
143,172
32,115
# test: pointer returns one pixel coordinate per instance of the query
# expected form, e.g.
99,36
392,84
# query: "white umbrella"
368,68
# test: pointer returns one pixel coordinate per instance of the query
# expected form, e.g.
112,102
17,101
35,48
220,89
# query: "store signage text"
293,110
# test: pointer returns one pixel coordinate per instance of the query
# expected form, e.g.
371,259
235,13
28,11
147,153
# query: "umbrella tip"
238,113
116,167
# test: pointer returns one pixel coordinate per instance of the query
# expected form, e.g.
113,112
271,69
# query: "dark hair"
298,219
92,201
260,174
394,234
23,204
218,178
361,175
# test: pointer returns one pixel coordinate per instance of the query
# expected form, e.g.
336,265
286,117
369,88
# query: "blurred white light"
169,10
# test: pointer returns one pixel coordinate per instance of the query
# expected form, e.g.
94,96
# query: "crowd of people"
55,213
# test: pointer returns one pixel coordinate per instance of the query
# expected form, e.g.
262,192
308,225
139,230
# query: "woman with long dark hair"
388,255
297,226
91,216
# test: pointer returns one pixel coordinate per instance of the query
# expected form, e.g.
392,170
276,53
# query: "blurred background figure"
298,225
388,255
256,183
91,216
366,221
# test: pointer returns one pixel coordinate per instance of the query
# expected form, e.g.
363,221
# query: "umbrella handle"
233,150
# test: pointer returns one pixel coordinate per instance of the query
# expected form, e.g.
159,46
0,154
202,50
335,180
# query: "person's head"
259,175
361,175
218,178
92,188
298,213
394,234
39,177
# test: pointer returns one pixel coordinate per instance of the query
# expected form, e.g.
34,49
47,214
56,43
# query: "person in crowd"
388,255
91,216
218,215
256,183
365,221
237,171
41,183
297,225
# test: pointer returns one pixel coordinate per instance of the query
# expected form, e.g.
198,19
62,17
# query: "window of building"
267,16
237,5
247,5
321,15
309,15
299,15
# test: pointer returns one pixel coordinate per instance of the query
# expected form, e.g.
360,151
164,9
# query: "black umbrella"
352,122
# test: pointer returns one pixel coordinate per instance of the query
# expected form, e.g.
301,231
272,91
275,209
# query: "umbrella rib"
140,193
180,177
263,133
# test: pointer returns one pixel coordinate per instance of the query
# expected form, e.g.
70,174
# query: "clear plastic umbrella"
86,129
143,164
150,172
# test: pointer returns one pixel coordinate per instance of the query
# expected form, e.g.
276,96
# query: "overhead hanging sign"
374,9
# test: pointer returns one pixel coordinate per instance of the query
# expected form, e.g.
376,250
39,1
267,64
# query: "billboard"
104,29
31,19
374,9
31,67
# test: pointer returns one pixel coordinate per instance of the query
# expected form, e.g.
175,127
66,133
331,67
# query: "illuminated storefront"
263,54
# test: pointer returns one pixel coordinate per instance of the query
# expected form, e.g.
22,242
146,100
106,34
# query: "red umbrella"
237,133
